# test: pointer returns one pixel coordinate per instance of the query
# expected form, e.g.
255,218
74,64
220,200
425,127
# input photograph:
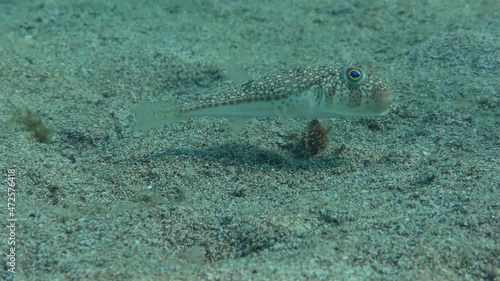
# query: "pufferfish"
310,92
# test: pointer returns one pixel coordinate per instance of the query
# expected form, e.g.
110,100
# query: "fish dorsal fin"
235,72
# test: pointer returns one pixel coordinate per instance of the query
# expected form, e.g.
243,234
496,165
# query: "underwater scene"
249,140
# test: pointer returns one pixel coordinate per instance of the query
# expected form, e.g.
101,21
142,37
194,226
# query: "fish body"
310,92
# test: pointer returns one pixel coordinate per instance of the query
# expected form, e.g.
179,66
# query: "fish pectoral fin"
236,124
306,104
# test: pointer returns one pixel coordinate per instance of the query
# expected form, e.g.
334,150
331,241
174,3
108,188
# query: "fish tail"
150,115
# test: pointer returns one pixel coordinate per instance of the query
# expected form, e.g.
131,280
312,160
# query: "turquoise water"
412,195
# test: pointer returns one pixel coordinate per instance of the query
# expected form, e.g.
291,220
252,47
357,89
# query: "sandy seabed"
413,195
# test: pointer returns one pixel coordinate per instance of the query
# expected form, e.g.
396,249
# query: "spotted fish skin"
310,92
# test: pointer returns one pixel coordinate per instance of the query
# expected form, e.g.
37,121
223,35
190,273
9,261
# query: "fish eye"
354,75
